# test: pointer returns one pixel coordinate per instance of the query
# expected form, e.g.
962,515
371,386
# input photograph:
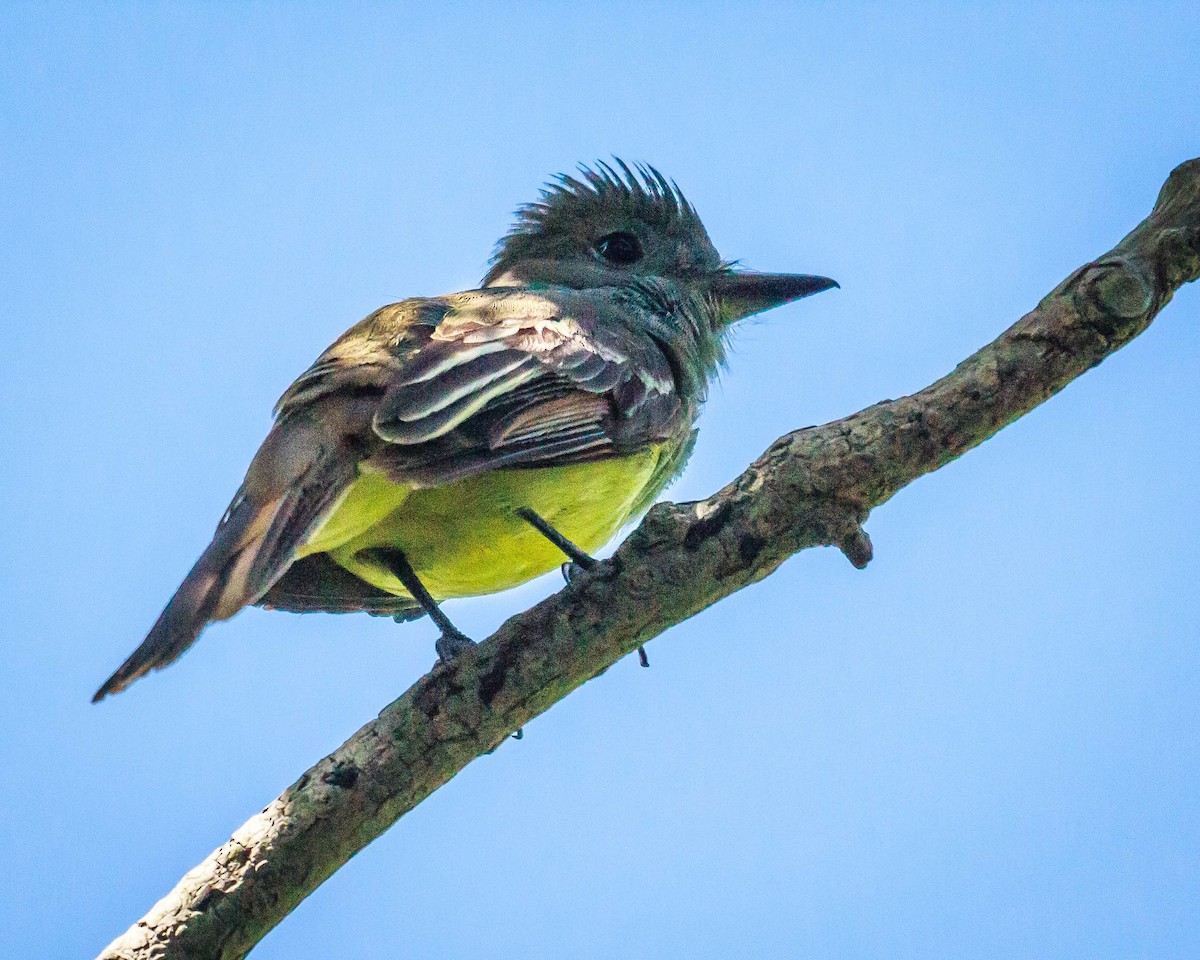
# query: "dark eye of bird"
619,248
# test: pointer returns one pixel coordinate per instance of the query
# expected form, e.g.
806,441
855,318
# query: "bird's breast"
465,538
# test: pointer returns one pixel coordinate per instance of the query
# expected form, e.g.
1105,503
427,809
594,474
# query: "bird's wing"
513,378
500,378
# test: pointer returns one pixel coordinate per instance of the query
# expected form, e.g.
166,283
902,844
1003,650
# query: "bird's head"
608,228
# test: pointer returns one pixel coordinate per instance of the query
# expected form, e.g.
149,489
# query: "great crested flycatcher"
460,445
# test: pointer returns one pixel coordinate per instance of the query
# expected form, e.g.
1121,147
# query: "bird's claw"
573,568
451,644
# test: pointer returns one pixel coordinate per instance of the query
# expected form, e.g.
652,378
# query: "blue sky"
984,745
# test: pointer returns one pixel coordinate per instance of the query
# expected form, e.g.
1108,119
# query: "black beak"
744,294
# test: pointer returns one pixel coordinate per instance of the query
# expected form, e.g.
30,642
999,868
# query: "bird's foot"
451,643
572,568
578,559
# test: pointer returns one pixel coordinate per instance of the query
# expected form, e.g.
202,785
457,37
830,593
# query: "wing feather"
391,424
498,378
512,370
414,400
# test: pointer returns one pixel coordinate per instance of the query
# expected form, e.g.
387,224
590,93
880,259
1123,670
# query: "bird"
460,445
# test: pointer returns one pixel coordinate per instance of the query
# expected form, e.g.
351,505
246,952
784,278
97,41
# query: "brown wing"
513,378
363,358
498,378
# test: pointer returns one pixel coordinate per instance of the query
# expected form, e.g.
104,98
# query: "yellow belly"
465,539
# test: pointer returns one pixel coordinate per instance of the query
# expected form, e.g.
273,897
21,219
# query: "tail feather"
194,603
316,582
294,481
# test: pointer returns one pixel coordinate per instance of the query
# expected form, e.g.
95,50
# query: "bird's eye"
619,248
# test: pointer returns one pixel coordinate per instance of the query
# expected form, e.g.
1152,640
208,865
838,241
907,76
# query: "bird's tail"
253,546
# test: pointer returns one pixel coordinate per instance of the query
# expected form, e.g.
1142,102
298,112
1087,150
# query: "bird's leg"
453,641
579,558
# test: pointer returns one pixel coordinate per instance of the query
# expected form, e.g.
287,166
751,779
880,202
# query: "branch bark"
812,487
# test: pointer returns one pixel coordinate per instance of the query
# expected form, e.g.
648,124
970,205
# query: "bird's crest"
602,193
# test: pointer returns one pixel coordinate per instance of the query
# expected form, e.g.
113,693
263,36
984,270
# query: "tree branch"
812,487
